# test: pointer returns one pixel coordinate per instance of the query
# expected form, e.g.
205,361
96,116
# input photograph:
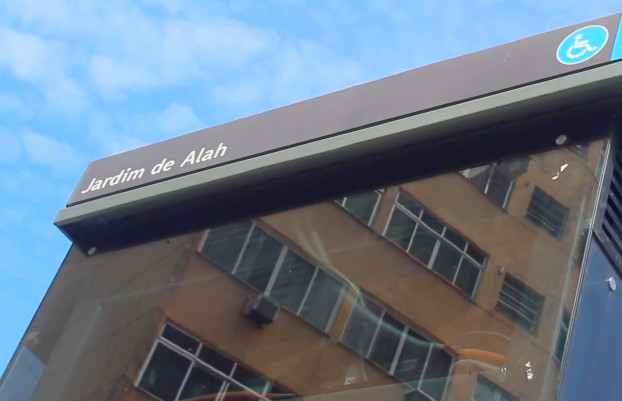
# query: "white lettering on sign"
124,176
204,155
128,174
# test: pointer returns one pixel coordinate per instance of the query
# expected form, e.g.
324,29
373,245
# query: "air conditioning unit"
260,309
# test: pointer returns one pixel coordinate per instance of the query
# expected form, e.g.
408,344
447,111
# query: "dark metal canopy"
509,99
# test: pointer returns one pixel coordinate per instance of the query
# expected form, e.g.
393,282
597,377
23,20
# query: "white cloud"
11,216
175,52
13,105
122,143
54,12
110,136
111,75
42,63
125,46
122,47
219,41
52,153
178,119
292,72
120,132
171,6
66,95
246,91
11,149
28,57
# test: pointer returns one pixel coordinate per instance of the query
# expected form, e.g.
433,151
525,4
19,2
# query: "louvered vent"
610,232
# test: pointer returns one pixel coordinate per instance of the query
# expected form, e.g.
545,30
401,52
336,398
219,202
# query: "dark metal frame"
607,222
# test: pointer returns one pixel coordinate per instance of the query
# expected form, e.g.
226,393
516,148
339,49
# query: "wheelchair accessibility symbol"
582,44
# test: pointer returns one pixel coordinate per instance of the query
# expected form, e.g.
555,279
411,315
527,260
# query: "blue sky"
81,80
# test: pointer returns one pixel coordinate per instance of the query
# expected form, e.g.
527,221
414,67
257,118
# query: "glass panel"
416,396
400,228
259,259
410,205
548,213
164,373
249,379
484,392
477,310
362,205
475,254
563,335
362,326
224,244
278,394
322,300
292,281
436,373
454,238
520,303
181,339
235,393
479,176
387,341
216,360
412,359
446,261
467,277
499,187
432,222
423,245
201,383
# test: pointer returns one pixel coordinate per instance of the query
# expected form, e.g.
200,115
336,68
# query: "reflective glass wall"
459,286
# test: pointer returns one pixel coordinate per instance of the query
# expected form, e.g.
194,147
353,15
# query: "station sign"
502,68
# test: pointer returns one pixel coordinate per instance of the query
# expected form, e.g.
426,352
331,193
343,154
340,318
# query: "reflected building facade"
455,246
454,287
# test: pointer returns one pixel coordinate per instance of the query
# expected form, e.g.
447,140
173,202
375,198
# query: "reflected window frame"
494,169
498,394
562,335
408,327
513,284
553,223
343,202
195,360
276,269
417,213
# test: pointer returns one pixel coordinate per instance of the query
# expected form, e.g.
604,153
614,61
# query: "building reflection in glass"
455,287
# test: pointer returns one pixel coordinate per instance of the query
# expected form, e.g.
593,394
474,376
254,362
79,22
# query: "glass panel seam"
307,291
276,269
333,313
372,343
398,351
183,382
246,241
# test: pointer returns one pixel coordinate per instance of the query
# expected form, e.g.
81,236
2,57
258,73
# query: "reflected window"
563,335
547,213
275,269
486,391
224,244
378,335
175,372
362,326
435,244
582,243
580,149
492,180
520,303
362,205
165,373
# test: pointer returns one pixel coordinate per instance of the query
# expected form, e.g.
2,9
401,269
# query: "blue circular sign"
582,44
